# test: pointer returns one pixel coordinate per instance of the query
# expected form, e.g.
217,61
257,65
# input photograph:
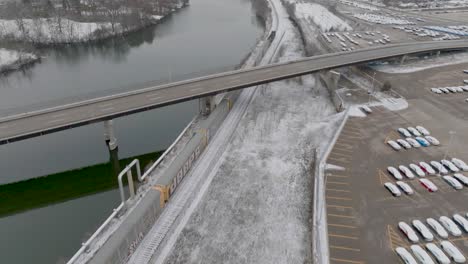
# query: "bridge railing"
141,178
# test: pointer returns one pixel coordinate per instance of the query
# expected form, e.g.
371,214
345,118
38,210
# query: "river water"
206,37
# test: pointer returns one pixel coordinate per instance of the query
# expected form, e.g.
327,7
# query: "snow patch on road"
334,167
322,17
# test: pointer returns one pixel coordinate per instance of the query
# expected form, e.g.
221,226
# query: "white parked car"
413,142
465,71
407,172
417,170
465,88
453,252
460,164
423,230
395,173
414,131
450,165
421,255
366,109
437,227
436,91
394,145
423,130
405,187
452,89
459,89
445,90
451,227
437,253
392,189
408,231
428,184
427,168
405,255
439,167
432,140
465,81
404,132
453,182
461,221
403,142
461,178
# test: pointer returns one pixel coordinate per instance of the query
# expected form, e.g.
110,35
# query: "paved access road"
18,127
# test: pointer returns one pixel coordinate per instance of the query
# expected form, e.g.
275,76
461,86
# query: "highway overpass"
31,124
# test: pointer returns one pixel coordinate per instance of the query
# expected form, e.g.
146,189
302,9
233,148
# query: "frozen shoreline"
11,60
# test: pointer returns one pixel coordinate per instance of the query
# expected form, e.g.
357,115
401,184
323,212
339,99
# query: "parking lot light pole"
452,133
372,90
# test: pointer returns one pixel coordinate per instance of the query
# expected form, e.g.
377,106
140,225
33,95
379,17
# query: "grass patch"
59,187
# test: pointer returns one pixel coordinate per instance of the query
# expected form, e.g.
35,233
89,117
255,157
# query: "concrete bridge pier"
402,60
111,142
206,105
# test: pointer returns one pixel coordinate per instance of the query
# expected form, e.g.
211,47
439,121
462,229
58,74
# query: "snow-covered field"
10,59
419,65
322,17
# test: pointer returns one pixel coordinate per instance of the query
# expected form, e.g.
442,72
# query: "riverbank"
59,187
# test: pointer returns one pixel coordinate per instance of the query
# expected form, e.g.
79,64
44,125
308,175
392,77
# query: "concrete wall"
330,80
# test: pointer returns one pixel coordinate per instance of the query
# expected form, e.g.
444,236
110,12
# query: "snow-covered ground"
257,208
321,16
51,31
419,65
382,19
11,59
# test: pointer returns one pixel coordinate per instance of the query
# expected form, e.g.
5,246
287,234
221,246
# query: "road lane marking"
339,206
347,261
346,248
107,109
342,216
58,115
338,225
337,190
339,198
55,121
342,183
195,89
4,126
155,98
105,105
342,236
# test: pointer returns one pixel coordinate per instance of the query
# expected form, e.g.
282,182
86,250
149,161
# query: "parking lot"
362,215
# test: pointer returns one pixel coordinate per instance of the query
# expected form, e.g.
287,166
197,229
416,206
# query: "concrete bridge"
32,124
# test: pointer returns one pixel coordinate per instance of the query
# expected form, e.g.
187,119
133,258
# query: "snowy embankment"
53,30
257,208
423,64
13,60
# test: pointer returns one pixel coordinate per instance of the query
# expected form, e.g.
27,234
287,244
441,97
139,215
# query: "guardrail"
85,246
320,238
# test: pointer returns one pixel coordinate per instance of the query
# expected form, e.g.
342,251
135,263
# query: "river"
206,37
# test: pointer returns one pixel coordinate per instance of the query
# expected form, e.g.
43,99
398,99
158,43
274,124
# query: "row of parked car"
452,89
421,170
422,138
443,228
